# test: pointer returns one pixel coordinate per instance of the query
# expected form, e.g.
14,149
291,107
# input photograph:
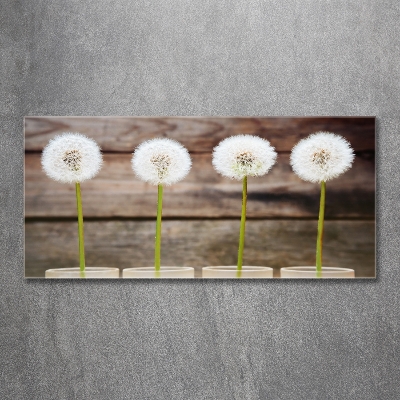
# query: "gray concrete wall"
199,340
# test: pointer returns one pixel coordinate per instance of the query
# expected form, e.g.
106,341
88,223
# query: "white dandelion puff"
71,158
321,157
161,161
243,155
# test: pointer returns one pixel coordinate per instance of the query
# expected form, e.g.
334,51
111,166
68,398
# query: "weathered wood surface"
199,243
198,134
204,193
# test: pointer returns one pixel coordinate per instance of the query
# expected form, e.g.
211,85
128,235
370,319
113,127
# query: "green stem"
320,229
242,227
80,229
157,253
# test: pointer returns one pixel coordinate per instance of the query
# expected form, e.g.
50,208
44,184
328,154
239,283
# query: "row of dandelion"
322,156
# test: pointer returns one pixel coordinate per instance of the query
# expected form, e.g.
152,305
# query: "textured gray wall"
199,340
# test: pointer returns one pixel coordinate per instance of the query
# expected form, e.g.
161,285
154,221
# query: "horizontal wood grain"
198,134
199,243
116,192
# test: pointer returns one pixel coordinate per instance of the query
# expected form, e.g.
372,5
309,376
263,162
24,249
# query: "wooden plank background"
201,212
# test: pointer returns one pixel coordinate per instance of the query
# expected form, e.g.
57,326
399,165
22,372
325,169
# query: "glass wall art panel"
200,197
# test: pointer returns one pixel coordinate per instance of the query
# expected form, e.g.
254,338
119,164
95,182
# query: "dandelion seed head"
243,155
321,156
161,161
71,157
